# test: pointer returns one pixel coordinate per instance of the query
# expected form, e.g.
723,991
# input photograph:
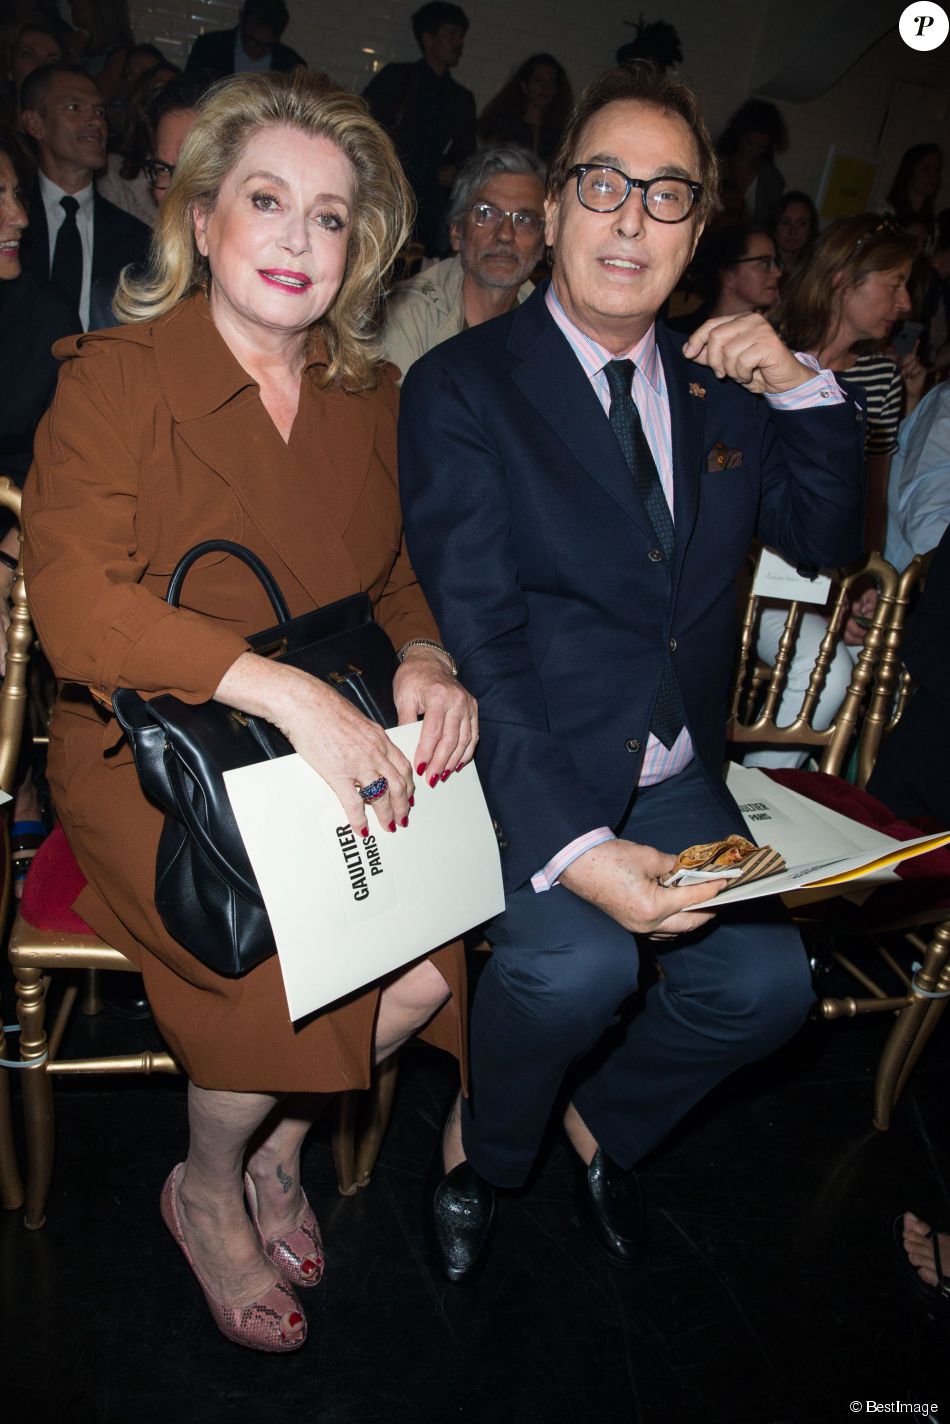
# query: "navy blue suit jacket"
539,561
117,239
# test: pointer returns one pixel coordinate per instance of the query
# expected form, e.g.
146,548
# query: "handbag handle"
227,546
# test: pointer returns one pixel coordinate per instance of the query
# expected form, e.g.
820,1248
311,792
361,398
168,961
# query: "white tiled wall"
719,43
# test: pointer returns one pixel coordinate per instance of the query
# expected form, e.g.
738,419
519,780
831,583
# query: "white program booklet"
775,577
344,911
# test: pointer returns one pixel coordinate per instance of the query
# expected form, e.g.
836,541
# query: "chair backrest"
893,684
757,690
14,691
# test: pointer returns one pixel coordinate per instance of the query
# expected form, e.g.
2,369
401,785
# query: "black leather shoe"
461,1221
611,1208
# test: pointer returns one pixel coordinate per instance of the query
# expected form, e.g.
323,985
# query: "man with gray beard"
496,223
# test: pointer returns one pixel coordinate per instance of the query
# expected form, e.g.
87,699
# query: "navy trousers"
549,998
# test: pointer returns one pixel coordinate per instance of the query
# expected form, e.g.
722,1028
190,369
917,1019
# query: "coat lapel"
554,382
219,416
687,425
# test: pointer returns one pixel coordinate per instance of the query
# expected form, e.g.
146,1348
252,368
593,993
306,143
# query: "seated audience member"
934,349
747,146
138,61
912,774
916,185
796,226
252,46
77,236
496,222
531,109
429,117
918,487
656,41
565,518
32,318
272,376
102,41
32,46
848,294
123,180
735,270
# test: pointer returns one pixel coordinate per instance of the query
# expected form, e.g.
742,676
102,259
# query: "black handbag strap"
227,546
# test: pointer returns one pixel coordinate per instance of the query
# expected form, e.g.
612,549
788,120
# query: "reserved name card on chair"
775,577
347,911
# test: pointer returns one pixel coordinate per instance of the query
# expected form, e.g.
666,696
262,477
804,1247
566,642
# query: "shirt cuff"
821,388
547,878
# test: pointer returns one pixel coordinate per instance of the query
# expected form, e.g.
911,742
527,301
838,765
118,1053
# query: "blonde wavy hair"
229,115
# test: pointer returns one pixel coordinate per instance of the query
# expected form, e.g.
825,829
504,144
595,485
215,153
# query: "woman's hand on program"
424,686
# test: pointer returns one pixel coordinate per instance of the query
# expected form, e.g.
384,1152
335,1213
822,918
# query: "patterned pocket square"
721,457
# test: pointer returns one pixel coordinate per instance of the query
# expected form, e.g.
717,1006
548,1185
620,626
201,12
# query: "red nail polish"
295,1318
404,822
412,800
392,825
364,832
421,767
445,776
433,780
461,766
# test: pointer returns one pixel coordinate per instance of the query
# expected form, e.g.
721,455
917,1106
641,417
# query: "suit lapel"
554,382
687,425
37,254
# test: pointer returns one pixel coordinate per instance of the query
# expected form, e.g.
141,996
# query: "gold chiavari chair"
757,690
13,704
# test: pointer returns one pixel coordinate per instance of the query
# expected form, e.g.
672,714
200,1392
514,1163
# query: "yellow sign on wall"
847,185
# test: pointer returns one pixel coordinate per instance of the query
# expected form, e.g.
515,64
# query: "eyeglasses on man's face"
158,175
524,220
603,190
767,263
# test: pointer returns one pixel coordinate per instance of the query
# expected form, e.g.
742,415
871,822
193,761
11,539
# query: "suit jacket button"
672,645
654,555
632,744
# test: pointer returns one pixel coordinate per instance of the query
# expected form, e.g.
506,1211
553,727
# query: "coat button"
632,744
654,555
672,645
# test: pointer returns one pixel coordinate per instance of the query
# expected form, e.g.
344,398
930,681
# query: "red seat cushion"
52,884
925,880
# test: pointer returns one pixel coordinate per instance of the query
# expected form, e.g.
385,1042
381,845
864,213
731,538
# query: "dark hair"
35,86
152,51
37,26
718,249
839,260
657,41
899,193
431,17
11,143
182,92
507,107
135,139
754,116
793,195
643,83
272,14
942,231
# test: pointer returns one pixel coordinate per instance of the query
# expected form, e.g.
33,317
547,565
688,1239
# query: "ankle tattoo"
285,1179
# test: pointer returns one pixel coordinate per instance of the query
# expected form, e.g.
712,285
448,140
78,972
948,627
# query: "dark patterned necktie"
66,271
668,715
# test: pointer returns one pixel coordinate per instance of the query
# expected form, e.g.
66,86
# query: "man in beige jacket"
496,223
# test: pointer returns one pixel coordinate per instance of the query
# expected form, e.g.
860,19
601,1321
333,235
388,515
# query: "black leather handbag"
205,889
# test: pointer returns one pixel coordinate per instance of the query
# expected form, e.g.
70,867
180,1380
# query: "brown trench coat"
157,439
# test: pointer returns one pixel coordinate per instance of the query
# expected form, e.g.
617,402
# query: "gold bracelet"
432,648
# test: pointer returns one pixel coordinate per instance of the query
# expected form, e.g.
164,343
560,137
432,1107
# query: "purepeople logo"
924,26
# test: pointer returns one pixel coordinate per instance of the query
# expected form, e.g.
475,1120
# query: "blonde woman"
242,399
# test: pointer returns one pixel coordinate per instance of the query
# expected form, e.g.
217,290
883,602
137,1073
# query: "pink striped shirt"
649,393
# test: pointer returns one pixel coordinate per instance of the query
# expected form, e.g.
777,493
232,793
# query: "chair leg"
342,1138
11,1187
37,1093
914,1025
92,998
381,1096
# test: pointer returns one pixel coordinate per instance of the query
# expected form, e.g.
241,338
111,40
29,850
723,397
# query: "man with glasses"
580,489
252,46
496,224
